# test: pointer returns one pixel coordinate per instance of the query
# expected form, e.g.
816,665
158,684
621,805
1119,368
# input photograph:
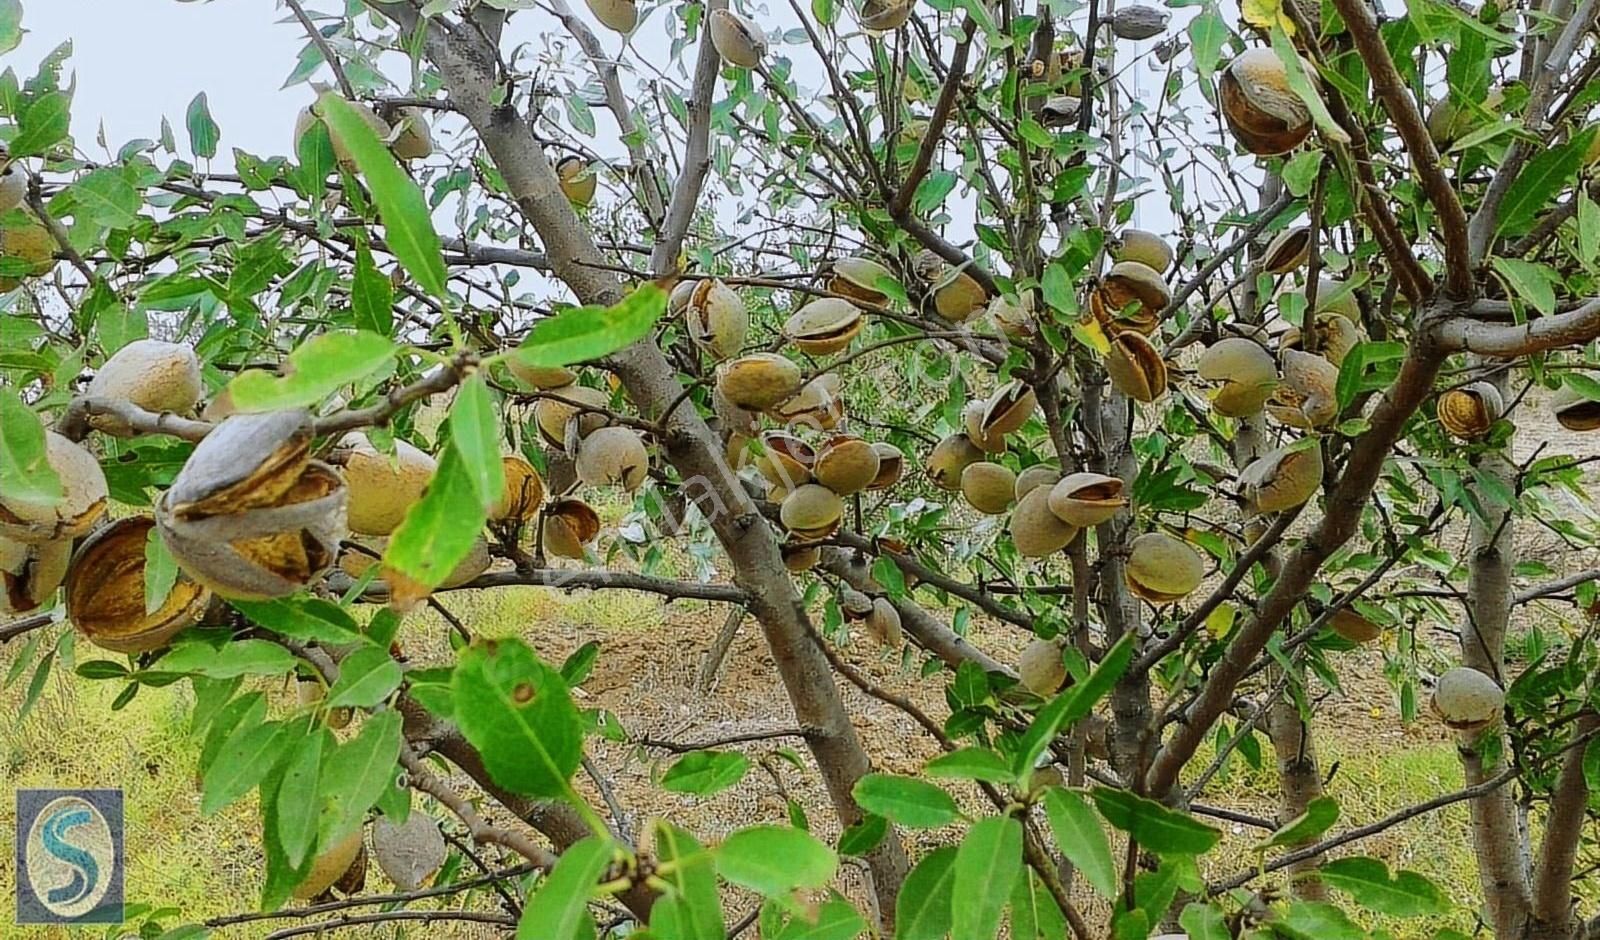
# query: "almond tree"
847,301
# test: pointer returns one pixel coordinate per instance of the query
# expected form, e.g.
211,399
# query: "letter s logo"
69,857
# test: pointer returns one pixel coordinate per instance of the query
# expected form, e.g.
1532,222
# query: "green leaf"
1154,826
1367,880
107,198
907,801
439,529
160,571
1591,765
1060,294
1301,172
356,773
837,920
302,618
1353,372
1081,838
864,836
203,131
1204,922
407,224
281,877
234,658
933,190
1207,34
1588,227
583,333
475,434
923,911
1306,920
315,370
986,867
246,756
705,772
1534,283
1071,706
971,763
1034,913
774,860
1301,85
43,125
560,908
1320,815
690,908
10,25
518,713
297,796
25,472
366,677
371,296
1548,173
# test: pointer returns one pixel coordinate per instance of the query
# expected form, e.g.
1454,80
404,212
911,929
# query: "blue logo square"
69,857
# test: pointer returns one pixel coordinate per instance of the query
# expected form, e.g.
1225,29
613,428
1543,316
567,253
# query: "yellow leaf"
1089,333
1262,14
1220,620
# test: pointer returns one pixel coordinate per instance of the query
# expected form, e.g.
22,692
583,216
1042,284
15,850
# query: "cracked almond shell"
30,574
1142,247
1470,411
1035,530
13,188
1087,499
858,278
569,525
577,181
1264,113
949,458
799,557
785,460
811,512
819,404
1034,477
1009,408
1574,410
1466,699
824,326
891,465
737,39
154,375
105,592
1015,321
758,382
1041,668
540,377
1288,251
563,405
523,493
1136,368
988,487
1126,284
613,456
1307,396
717,318
1162,569
382,487
972,419
83,502
1282,479
846,465
1336,336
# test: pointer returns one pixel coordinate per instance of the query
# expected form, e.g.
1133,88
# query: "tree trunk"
1498,836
